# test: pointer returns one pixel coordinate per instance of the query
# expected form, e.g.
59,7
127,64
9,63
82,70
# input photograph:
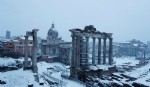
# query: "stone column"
104,51
110,51
72,71
93,52
99,50
34,57
26,51
87,49
78,51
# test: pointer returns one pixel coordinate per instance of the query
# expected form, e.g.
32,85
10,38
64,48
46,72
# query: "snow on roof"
135,44
15,40
23,38
126,42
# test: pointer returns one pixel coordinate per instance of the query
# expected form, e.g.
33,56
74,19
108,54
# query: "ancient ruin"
32,33
80,49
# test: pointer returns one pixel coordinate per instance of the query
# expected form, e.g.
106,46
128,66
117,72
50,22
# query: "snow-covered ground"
21,78
9,61
142,73
18,78
125,61
58,69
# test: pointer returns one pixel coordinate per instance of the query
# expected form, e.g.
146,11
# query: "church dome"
52,32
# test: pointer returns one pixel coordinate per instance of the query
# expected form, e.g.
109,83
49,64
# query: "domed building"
50,46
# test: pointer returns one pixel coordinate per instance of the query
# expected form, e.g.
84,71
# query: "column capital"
72,36
94,38
111,38
104,38
87,37
99,38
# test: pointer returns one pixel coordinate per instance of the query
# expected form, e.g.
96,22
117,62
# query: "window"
30,42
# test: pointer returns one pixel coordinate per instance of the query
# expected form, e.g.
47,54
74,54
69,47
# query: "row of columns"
110,60
76,54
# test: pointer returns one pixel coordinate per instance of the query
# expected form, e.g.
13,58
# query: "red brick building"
18,45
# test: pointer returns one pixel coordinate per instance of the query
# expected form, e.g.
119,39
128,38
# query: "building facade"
17,46
50,46
65,50
132,48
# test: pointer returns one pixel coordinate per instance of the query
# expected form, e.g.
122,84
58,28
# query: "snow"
23,38
104,67
126,61
143,80
135,45
137,72
142,73
20,78
15,40
16,78
9,61
59,68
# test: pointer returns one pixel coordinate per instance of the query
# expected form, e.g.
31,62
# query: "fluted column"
99,50
93,52
104,51
87,49
26,51
110,51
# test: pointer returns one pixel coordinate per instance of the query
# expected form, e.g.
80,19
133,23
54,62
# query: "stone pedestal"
35,69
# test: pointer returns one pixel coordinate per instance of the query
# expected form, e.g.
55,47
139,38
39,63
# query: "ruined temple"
80,52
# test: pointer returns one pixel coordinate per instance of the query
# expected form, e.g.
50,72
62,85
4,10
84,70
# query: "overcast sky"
126,19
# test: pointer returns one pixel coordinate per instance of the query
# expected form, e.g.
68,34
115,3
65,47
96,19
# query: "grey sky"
127,19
